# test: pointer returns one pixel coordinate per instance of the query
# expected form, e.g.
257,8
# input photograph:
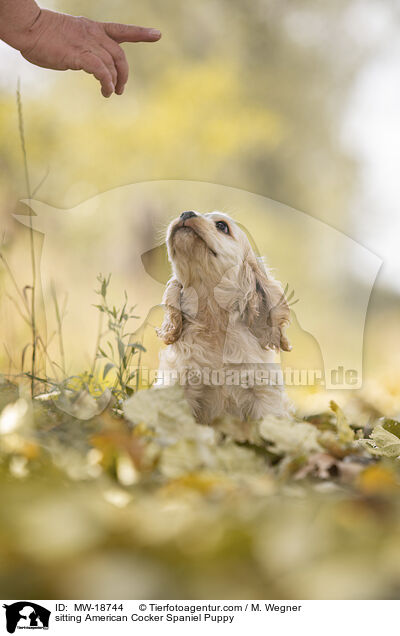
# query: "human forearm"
17,18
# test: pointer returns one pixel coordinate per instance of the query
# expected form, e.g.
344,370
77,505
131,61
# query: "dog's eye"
222,226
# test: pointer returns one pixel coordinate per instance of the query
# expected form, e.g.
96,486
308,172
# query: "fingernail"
155,33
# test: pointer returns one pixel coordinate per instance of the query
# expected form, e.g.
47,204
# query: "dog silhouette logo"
26,615
331,273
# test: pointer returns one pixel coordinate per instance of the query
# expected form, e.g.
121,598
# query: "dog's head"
202,247
211,254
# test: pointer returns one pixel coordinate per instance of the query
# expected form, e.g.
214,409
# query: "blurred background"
293,102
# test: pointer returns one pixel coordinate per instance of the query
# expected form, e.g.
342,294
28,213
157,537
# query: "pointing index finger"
131,33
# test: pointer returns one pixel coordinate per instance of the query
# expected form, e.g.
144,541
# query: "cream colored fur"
223,311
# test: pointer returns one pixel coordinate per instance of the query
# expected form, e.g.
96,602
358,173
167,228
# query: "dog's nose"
187,215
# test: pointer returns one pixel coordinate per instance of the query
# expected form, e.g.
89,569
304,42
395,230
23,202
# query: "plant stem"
59,317
31,239
98,340
138,367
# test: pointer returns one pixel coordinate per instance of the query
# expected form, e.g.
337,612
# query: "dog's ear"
171,328
263,305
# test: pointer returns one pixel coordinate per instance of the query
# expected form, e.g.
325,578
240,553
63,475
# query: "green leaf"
122,314
107,369
392,426
121,348
103,287
382,442
136,345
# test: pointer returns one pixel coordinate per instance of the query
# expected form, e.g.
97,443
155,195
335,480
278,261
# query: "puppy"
224,321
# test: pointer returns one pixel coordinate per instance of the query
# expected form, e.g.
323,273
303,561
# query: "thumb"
130,33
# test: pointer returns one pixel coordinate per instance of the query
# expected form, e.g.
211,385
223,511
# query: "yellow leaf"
344,431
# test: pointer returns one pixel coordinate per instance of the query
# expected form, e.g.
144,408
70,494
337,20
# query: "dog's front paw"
171,329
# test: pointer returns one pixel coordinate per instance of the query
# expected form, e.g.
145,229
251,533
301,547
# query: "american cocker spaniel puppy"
224,321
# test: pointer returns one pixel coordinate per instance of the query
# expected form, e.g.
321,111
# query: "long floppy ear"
171,328
264,306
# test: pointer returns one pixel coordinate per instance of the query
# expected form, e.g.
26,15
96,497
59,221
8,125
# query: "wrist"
17,22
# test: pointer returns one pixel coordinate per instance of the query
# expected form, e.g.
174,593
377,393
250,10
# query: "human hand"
59,41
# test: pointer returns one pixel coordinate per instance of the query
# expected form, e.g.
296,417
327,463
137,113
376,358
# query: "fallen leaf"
381,442
344,431
168,413
289,436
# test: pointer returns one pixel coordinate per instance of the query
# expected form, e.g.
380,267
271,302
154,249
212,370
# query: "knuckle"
119,55
96,65
93,28
120,28
83,26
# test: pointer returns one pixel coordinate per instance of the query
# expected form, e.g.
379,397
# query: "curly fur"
223,310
